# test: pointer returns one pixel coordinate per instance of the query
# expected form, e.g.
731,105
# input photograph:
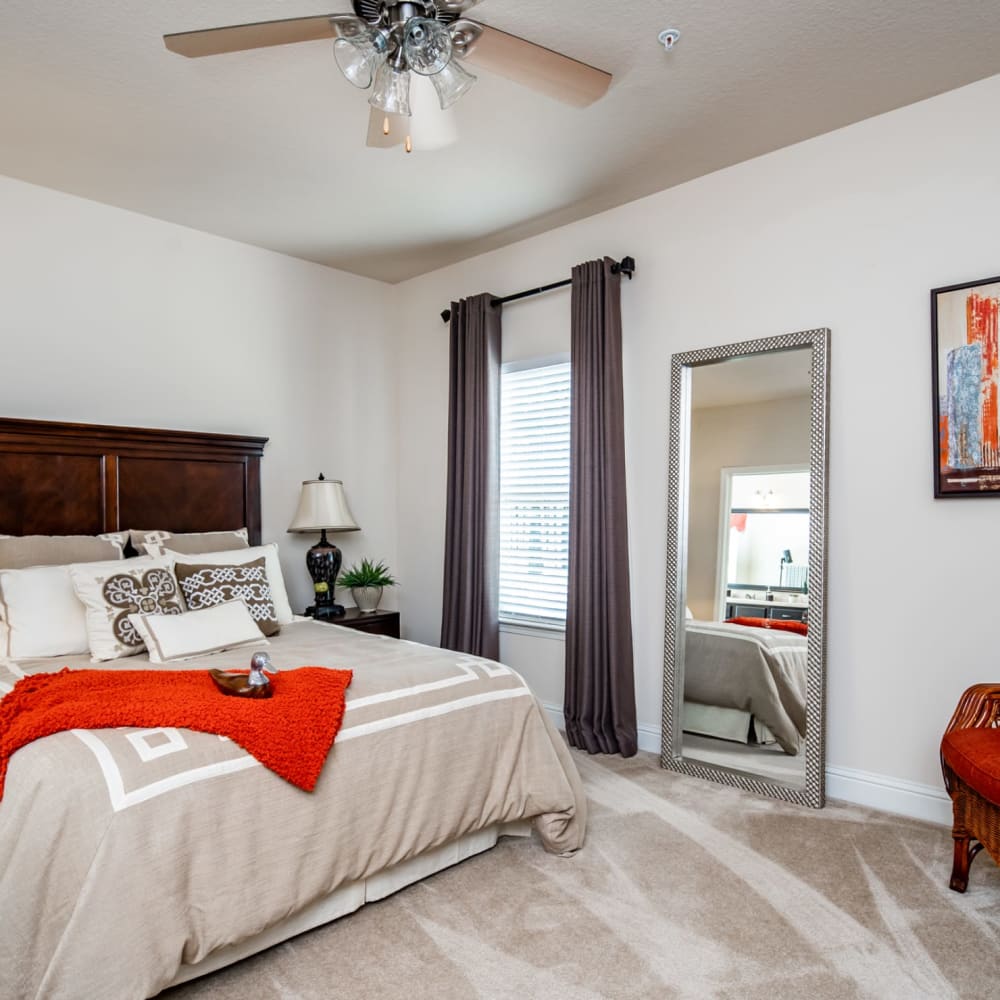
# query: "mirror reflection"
746,576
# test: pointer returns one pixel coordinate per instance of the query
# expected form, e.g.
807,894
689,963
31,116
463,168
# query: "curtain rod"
625,266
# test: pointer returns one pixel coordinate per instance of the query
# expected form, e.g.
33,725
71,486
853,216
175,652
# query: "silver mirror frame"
813,794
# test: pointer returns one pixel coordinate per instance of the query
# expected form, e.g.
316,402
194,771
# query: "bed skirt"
354,895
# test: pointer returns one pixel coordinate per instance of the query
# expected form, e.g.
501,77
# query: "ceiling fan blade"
534,66
240,37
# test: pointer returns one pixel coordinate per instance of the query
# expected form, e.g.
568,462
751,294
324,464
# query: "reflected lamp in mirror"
323,507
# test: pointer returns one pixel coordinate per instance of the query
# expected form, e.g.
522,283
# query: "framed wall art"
966,374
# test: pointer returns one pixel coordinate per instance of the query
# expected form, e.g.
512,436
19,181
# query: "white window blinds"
534,493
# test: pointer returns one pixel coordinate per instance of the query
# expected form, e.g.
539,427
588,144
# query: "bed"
137,859
740,680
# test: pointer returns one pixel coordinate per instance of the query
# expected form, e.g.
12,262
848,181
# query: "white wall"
775,432
850,231
111,317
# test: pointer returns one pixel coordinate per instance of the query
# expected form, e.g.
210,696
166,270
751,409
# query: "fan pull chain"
409,144
385,125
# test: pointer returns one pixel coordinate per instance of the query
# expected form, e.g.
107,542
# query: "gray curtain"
599,703
470,613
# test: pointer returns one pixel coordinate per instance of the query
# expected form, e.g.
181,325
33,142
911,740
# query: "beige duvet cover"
757,670
127,852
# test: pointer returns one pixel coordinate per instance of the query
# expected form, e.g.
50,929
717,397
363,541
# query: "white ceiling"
268,147
752,379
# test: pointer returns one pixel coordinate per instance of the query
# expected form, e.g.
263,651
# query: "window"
534,492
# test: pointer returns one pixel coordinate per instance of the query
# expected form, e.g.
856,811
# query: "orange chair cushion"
974,755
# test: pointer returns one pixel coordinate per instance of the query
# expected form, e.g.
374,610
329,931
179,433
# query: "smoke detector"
668,38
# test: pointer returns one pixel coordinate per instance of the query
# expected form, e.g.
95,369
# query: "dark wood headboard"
84,479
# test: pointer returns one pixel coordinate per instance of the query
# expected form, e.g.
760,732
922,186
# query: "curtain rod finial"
446,315
627,267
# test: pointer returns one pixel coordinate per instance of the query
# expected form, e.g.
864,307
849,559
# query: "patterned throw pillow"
205,586
110,595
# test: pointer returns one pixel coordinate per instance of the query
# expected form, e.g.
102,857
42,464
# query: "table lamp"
323,507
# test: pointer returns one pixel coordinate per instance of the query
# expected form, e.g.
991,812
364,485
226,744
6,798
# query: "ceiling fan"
396,46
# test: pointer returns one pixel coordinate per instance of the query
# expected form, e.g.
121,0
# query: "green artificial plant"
366,574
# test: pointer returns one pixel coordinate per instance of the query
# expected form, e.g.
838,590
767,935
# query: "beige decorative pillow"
158,543
205,586
275,579
197,633
111,594
18,552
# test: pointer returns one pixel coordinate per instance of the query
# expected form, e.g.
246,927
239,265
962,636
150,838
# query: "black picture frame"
965,394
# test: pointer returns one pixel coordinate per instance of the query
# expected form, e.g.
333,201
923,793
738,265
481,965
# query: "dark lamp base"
323,563
325,612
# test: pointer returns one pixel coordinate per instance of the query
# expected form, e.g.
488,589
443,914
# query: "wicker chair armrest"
978,708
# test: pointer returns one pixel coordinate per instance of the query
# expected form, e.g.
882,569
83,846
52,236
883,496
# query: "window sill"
534,630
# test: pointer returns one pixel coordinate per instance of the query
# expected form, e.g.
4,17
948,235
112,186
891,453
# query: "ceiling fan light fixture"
391,91
360,56
451,83
426,46
399,50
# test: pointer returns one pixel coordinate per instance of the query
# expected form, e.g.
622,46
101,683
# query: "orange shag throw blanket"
291,732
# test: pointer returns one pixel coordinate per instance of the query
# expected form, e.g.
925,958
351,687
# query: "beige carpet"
685,889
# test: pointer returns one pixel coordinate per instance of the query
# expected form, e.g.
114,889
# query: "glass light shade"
451,83
426,46
391,92
323,507
359,57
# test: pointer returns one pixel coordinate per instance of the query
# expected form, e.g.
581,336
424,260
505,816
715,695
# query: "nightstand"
372,622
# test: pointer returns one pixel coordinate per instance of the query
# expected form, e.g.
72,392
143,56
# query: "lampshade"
360,56
451,83
323,507
391,92
426,45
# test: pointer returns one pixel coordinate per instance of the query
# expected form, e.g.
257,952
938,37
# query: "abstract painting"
964,327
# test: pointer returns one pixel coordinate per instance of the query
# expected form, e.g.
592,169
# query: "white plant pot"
366,598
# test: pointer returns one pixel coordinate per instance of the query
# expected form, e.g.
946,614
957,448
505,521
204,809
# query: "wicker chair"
970,762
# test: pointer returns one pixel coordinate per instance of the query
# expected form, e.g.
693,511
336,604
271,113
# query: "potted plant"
366,580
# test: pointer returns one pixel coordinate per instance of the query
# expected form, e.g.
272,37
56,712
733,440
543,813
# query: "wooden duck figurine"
252,685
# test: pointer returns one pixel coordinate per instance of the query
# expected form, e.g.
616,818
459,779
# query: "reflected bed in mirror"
743,667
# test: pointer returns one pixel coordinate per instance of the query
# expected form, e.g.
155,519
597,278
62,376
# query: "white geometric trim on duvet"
148,751
366,728
121,799
468,674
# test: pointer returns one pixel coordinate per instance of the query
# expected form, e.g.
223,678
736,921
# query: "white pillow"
40,614
110,592
237,557
198,633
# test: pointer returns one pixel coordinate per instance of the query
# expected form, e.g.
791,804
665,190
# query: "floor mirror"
744,650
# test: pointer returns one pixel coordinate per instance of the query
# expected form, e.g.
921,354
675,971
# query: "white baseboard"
895,795
862,788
